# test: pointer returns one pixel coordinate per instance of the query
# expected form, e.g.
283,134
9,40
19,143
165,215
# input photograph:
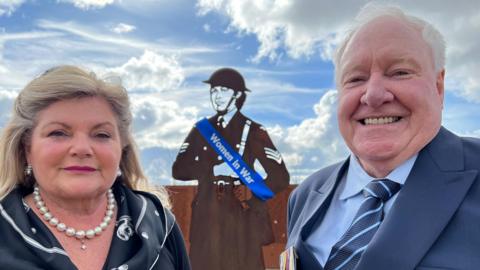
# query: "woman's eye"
103,135
57,133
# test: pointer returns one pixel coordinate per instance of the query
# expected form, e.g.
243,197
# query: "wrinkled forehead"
387,35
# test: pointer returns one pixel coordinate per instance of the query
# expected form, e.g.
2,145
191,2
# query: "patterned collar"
141,229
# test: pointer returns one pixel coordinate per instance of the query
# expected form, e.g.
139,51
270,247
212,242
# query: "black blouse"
145,236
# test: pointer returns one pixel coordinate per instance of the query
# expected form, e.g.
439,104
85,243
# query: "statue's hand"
242,193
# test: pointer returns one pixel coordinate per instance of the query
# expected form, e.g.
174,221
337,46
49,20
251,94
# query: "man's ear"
440,84
238,94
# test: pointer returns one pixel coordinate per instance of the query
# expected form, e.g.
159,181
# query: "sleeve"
176,245
271,160
191,161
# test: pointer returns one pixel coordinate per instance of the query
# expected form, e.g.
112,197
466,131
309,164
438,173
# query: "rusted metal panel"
182,197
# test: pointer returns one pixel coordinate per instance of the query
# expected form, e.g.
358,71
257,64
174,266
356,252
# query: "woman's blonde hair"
65,83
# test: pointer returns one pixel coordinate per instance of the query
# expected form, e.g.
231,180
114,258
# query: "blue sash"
248,176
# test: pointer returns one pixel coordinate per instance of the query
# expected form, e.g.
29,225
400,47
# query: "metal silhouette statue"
237,168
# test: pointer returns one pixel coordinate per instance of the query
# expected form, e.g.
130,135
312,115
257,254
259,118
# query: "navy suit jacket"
433,224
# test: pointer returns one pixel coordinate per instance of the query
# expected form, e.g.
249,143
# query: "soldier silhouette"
229,225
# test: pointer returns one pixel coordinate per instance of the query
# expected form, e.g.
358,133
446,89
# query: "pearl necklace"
69,231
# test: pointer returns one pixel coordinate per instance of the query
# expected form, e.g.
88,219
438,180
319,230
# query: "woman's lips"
80,168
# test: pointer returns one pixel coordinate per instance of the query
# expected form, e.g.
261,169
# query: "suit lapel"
317,203
432,193
315,207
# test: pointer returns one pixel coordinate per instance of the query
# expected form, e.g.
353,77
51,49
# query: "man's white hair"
373,10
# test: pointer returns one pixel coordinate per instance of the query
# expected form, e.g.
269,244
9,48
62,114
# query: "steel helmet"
227,77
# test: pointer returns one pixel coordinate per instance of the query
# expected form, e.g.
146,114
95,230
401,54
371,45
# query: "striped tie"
346,253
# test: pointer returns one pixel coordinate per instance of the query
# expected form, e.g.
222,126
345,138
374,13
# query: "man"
229,225
409,195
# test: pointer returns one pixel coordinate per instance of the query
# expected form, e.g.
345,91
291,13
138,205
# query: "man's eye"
354,80
57,133
401,73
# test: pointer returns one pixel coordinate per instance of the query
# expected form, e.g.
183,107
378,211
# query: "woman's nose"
81,146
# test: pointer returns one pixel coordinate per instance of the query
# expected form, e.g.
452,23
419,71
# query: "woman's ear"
26,149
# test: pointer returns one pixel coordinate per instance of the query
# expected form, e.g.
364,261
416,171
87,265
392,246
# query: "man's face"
390,97
220,97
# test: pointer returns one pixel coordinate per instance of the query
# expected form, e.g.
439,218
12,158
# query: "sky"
163,50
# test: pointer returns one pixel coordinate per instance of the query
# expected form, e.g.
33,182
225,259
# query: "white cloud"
158,169
160,122
463,59
94,35
292,159
151,71
319,133
89,4
475,133
27,35
313,143
151,7
309,27
302,28
150,62
13,75
123,28
143,65
6,103
7,7
207,28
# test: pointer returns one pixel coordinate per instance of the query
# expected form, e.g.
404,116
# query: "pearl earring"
28,170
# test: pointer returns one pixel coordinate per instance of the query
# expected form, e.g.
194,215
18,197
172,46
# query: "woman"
224,211
69,181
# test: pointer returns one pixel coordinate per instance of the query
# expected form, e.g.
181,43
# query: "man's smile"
380,120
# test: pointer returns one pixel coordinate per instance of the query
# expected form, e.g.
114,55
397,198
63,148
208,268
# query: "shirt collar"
357,178
225,118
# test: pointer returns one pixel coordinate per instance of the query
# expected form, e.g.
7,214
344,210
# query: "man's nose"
81,146
376,92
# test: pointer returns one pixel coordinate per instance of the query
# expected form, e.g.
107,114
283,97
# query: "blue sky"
162,50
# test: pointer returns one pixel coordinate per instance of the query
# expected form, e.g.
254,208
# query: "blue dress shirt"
345,204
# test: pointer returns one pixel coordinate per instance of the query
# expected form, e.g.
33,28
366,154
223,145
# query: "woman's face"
75,148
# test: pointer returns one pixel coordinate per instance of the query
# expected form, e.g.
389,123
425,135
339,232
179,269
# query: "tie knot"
383,189
221,122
